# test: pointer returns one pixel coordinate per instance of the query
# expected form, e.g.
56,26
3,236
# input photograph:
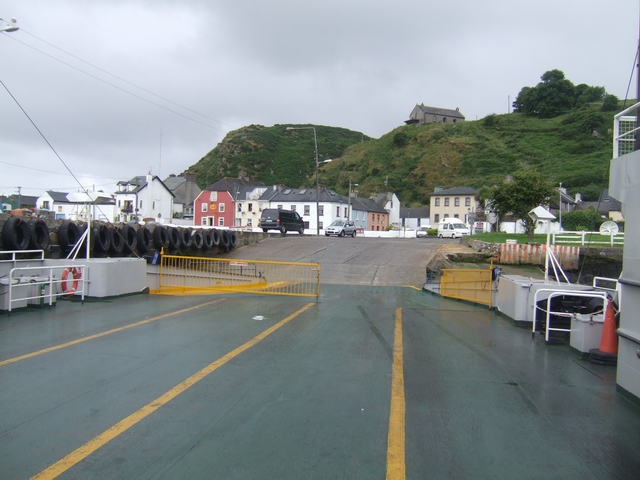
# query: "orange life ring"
76,274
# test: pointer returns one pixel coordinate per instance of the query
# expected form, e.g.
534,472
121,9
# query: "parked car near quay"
282,220
341,228
422,232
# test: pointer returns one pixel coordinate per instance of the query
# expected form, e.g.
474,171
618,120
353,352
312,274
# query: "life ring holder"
76,275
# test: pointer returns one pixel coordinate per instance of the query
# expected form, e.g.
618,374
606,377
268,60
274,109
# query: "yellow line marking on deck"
396,469
91,446
98,335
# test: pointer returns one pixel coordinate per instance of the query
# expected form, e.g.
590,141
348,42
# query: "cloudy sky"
122,87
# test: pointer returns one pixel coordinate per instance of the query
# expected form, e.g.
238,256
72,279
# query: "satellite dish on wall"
609,228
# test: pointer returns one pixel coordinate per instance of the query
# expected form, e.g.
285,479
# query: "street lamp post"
315,142
11,26
349,201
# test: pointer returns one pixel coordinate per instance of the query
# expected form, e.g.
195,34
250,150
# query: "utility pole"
19,197
560,206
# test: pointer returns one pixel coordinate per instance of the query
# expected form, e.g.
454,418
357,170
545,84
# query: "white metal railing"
48,282
549,312
17,256
624,129
584,238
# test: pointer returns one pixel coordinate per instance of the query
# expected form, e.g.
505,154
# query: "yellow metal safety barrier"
472,285
201,275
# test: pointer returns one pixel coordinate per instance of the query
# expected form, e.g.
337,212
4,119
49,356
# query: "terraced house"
457,202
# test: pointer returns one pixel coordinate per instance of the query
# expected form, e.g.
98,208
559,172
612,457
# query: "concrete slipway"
94,385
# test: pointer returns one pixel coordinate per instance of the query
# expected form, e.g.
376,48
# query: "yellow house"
457,202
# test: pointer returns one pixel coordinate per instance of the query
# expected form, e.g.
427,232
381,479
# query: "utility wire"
126,81
48,143
119,88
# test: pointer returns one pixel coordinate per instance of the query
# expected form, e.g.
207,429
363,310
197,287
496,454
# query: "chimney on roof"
189,177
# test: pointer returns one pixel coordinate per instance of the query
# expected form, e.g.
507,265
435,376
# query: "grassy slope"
574,149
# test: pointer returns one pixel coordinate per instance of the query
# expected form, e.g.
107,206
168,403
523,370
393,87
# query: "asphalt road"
352,261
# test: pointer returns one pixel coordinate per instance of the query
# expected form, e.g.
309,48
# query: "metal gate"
472,285
193,275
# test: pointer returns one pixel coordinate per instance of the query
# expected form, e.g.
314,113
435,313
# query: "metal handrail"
48,278
557,293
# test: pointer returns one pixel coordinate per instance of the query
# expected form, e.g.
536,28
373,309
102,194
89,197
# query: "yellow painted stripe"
92,445
396,440
98,335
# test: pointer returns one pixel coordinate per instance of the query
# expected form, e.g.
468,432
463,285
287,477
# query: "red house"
215,206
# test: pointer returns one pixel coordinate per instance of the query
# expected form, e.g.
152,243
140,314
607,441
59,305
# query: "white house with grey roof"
77,206
144,197
425,114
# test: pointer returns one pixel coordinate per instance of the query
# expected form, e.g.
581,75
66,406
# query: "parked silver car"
422,232
341,228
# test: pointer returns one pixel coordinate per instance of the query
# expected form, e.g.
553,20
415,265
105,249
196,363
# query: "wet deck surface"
310,400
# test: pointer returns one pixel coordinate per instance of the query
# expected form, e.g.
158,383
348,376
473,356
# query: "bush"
432,232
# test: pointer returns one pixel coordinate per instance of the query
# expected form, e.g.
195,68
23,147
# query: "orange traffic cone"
607,354
609,341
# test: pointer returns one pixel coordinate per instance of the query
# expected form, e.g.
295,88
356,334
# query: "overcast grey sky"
164,80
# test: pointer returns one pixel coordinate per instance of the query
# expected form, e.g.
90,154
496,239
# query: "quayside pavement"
368,382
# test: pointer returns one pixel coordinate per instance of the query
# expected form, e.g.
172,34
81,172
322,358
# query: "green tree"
553,96
609,103
582,220
520,194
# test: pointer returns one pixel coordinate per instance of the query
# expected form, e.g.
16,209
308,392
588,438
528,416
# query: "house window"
203,221
140,204
456,202
279,207
346,213
446,201
467,201
45,204
251,207
455,215
320,226
118,203
293,208
436,218
221,207
238,222
221,221
204,207
446,215
307,209
240,208
153,205
437,202
337,211
59,209
249,222
321,210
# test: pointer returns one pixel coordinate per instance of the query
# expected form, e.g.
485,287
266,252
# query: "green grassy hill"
574,149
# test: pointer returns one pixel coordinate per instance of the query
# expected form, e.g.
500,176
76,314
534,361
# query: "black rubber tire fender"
15,234
185,235
38,234
175,238
68,235
117,240
207,239
233,240
101,239
130,238
224,241
196,240
215,235
144,239
160,238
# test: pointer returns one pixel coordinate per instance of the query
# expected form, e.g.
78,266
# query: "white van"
452,228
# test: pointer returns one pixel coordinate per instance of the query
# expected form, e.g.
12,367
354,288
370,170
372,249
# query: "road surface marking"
395,443
91,446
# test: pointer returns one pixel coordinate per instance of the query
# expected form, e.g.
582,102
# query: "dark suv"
283,220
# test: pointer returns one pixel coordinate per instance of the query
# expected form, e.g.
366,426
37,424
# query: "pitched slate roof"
457,191
415,212
367,204
141,181
445,112
58,197
230,185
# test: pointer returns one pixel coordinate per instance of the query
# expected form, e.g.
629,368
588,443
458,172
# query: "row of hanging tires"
34,234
